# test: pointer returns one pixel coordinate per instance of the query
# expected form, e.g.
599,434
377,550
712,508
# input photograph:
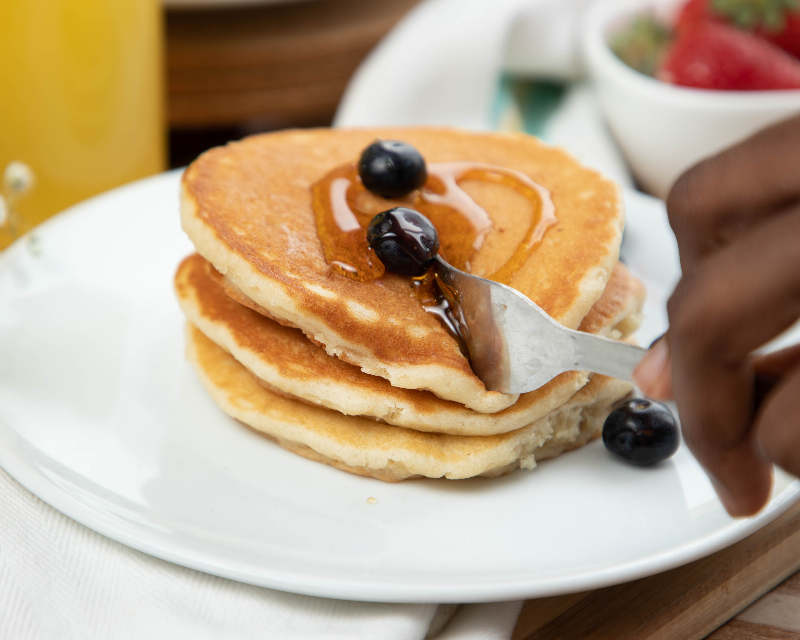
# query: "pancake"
247,208
290,364
382,451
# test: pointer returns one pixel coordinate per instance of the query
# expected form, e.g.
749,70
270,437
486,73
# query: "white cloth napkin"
442,64
58,579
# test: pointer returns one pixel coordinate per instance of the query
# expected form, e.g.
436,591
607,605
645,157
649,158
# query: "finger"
742,299
654,378
778,363
653,375
777,427
715,409
742,479
721,197
727,307
741,296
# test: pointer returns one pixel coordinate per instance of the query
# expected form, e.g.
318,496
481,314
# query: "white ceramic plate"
102,418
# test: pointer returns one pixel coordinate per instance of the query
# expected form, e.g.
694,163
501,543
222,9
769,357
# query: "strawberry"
708,55
775,20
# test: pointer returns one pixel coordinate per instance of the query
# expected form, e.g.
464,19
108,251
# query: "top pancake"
248,209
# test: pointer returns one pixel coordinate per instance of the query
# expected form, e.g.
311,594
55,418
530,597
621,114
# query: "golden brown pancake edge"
367,447
288,363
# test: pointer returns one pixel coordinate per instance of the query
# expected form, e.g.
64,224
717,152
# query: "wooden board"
229,67
774,616
686,603
314,101
267,76
251,37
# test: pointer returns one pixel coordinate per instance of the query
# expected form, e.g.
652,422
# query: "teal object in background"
526,105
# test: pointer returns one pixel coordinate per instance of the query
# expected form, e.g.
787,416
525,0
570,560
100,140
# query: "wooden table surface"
749,590
774,616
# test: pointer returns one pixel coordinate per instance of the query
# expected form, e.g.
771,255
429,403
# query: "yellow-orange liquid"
342,213
80,98
342,216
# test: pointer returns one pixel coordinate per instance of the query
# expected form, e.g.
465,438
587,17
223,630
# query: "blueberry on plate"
641,431
391,168
405,241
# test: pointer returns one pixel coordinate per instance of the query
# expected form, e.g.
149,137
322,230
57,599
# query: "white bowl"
664,129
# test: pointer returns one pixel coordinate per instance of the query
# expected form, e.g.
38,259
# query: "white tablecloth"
62,581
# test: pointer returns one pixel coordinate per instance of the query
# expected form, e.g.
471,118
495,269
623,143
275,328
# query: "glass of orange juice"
81,97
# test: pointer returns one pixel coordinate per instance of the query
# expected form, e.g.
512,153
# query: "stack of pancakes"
356,374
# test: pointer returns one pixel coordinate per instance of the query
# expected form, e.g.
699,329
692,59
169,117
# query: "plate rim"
370,591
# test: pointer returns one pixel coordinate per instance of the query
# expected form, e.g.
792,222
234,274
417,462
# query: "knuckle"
684,194
677,208
684,315
699,322
679,197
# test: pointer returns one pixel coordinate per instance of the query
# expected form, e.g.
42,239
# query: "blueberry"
405,241
641,431
391,168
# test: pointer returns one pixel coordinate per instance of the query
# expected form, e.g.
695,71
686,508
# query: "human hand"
737,220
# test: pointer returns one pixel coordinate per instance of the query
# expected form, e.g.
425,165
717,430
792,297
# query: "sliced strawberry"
775,20
716,56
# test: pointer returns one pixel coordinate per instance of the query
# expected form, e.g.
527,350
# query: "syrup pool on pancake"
394,168
343,208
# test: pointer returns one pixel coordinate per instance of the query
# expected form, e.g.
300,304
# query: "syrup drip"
456,198
342,232
442,301
343,209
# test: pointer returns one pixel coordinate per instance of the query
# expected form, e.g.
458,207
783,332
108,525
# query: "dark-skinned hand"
737,220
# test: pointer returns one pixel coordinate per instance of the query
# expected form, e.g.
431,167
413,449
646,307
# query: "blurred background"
97,93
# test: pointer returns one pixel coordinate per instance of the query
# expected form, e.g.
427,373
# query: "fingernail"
650,370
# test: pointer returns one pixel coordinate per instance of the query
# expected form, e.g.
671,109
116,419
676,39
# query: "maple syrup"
462,223
343,209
